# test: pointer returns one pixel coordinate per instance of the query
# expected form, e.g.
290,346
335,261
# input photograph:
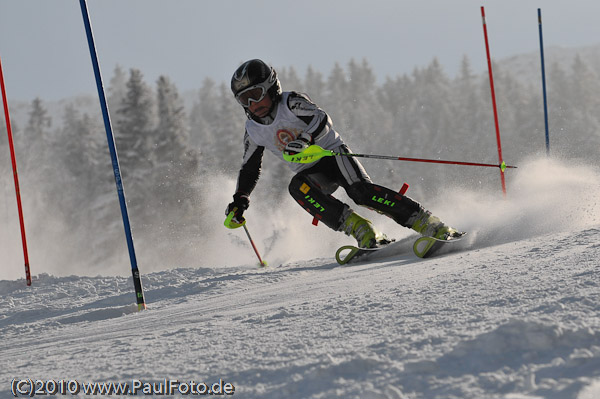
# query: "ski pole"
262,262
230,223
314,153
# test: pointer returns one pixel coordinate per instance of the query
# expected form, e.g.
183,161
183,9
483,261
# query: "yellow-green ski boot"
366,235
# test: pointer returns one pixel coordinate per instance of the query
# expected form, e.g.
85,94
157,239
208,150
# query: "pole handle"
312,154
230,223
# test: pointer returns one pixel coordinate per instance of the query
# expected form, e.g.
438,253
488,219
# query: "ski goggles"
253,93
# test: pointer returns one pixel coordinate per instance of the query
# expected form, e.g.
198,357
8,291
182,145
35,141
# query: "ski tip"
426,246
343,258
423,245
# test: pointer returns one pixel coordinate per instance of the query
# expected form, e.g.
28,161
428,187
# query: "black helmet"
253,80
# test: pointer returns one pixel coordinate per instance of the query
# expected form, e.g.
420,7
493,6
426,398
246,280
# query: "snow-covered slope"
515,316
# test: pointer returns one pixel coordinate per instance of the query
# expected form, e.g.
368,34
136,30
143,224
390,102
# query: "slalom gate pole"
489,61
262,262
544,82
137,283
15,175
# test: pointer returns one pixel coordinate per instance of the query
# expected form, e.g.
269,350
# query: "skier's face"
261,108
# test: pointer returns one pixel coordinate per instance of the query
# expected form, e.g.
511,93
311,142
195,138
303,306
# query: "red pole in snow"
16,177
489,60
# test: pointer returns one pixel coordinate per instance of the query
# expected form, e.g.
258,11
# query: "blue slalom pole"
137,283
544,82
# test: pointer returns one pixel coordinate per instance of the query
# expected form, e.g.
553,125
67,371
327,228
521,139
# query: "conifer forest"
170,147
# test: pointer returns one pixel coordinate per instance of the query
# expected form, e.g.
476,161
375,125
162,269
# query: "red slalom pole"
489,60
16,177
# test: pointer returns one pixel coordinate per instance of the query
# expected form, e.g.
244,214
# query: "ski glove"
296,146
238,206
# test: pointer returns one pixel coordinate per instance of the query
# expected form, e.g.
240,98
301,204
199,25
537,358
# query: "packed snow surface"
514,314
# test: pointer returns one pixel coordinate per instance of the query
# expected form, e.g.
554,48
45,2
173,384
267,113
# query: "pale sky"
44,49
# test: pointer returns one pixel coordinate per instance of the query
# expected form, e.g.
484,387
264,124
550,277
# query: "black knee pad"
360,192
383,200
322,206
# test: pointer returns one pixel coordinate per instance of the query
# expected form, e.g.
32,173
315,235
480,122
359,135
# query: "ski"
422,247
425,247
352,253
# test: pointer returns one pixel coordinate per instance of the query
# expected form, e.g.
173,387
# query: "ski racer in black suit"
289,122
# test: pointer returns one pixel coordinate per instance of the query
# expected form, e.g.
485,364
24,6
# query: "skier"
288,122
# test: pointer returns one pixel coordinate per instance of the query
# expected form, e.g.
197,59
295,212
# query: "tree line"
166,147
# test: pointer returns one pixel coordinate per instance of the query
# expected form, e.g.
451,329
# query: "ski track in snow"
514,317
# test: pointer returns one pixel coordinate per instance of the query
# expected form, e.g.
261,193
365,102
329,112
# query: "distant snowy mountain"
527,67
514,316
